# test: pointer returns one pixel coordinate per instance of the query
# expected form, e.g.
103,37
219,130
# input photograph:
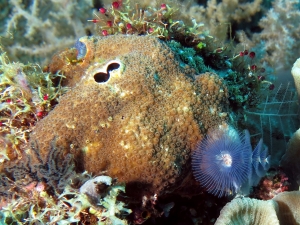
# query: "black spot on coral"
103,77
113,66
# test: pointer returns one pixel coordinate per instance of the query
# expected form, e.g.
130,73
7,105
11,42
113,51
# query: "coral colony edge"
159,112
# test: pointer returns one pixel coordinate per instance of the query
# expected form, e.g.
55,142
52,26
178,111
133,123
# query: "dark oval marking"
102,77
113,66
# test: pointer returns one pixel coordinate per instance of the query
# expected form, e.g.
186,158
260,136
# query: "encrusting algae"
133,111
27,94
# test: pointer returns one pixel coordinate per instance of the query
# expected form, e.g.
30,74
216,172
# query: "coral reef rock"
290,160
248,211
282,209
133,111
296,75
289,207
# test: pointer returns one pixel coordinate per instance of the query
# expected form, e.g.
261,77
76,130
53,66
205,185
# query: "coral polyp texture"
224,163
132,111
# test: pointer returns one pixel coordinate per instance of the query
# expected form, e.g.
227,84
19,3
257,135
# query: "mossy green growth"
188,56
243,90
201,45
27,94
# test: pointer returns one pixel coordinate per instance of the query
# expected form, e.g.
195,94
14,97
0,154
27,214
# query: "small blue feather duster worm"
260,162
81,49
223,162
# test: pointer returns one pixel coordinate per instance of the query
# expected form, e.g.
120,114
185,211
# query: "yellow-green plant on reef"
27,94
34,205
162,20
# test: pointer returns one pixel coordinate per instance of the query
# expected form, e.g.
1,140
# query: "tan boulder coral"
290,160
289,207
296,75
132,111
248,211
282,209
